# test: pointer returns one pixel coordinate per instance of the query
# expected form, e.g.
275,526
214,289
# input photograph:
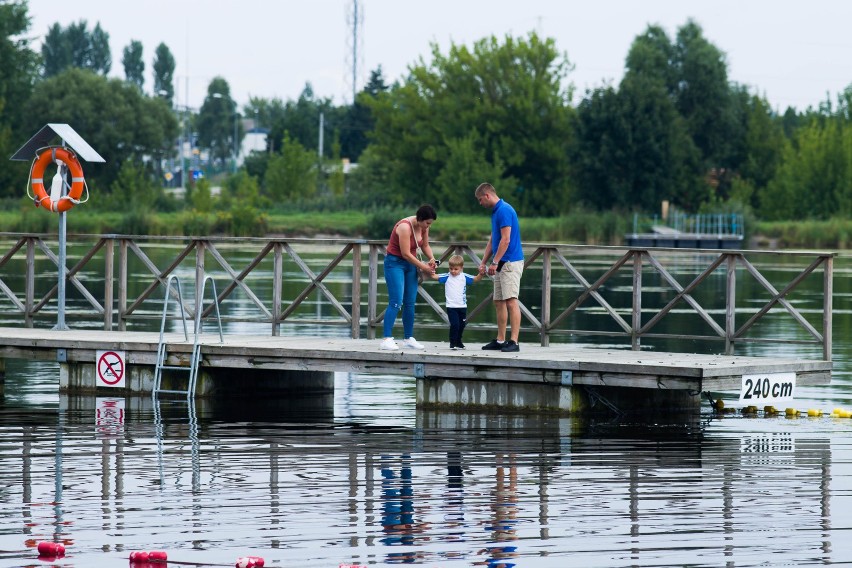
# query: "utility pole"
321,128
354,58
354,49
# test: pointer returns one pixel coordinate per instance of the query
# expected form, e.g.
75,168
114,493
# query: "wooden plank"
590,366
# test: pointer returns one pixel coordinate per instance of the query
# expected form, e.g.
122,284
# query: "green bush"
197,224
381,221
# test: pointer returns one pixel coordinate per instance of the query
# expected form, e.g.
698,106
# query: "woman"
401,270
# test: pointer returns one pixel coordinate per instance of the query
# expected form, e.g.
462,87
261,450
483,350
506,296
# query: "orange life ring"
42,197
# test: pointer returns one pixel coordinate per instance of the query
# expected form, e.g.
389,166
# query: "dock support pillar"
80,378
472,395
460,394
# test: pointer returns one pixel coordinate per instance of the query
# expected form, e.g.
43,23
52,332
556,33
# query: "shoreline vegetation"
579,227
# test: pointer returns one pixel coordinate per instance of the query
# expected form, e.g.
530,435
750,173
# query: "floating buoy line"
769,411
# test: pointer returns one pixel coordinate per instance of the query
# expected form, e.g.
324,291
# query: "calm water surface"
363,477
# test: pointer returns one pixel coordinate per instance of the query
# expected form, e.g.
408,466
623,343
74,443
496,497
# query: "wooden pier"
537,378
635,296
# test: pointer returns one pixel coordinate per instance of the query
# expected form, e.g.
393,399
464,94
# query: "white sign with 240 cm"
768,388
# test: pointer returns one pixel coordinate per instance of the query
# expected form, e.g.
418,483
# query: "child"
455,288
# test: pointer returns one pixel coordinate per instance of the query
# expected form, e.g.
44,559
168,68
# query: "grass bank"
827,234
578,227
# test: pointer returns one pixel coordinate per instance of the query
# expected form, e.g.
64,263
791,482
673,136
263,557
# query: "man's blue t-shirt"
503,215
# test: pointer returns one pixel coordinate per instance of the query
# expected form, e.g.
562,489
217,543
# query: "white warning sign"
110,368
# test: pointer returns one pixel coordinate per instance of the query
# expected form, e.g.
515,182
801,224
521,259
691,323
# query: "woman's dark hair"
426,212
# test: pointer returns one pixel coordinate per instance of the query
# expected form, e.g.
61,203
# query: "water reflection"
451,489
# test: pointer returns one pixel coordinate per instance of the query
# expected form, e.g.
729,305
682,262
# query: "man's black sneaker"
510,347
493,346
460,345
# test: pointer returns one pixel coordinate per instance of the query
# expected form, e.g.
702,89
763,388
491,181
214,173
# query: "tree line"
674,128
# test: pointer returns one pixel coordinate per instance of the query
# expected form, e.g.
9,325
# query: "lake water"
363,477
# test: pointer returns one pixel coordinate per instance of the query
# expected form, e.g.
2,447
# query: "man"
506,266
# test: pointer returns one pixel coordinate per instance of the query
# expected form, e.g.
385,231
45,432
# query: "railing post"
29,294
372,291
730,303
122,284
200,250
109,275
827,316
277,283
355,312
636,323
546,282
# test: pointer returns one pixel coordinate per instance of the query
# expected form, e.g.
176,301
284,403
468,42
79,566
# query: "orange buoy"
42,198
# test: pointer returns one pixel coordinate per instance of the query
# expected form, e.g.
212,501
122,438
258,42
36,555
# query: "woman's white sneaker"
388,344
411,343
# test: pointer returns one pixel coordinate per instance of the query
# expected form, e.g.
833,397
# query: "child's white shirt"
455,289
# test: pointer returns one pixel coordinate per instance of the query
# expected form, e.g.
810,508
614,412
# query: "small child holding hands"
455,289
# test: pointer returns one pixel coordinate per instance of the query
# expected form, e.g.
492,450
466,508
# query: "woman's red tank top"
393,243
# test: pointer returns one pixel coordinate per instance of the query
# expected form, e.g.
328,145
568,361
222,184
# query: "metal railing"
563,268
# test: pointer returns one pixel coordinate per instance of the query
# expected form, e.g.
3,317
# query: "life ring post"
72,149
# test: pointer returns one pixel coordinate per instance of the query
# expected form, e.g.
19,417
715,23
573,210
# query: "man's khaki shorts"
507,282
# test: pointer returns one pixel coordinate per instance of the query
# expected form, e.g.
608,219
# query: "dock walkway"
556,364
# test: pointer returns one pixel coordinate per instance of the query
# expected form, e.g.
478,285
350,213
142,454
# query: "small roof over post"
48,132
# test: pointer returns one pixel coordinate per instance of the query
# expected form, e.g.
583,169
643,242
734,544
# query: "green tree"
651,55
814,178
301,120
357,120
54,52
201,197
113,116
79,43
633,150
368,183
100,55
218,120
134,66
244,202
164,73
765,144
292,173
76,46
704,95
510,94
465,168
18,73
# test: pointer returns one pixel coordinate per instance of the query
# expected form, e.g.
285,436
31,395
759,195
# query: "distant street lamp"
235,151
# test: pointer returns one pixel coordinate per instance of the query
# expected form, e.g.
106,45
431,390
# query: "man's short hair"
484,188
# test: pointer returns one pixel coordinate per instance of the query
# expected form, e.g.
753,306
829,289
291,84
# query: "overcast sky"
794,53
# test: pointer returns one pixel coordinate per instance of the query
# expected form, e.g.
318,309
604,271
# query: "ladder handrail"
200,309
198,329
161,344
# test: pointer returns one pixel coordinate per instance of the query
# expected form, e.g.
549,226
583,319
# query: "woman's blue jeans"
401,278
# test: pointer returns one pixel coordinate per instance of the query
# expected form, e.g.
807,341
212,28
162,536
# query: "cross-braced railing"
279,281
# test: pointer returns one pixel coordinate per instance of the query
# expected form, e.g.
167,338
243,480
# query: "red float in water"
157,556
46,548
139,556
249,562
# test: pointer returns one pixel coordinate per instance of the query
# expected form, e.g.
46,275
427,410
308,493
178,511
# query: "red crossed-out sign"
110,368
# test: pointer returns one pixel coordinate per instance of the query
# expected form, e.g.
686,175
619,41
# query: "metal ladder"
195,358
